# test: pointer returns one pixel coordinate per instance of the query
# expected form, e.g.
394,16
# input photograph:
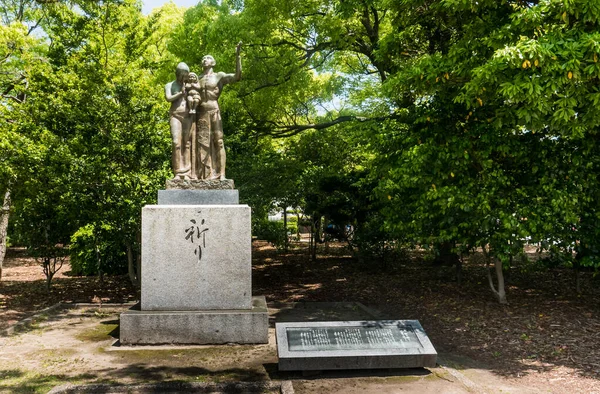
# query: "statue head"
208,61
182,71
192,77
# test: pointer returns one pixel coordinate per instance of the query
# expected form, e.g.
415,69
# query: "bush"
83,252
371,243
292,224
272,232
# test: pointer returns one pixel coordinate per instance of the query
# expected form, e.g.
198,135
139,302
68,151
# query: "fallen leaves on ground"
547,335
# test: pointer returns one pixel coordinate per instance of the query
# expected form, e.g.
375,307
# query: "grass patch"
403,378
33,325
16,381
184,355
52,359
98,333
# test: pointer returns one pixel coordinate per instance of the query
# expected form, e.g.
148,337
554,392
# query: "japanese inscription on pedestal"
198,232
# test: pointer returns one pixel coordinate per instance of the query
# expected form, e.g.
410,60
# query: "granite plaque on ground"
313,346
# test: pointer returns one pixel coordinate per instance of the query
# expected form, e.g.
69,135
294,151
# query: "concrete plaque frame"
369,344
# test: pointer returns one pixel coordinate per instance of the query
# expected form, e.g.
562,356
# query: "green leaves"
505,107
488,113
89,145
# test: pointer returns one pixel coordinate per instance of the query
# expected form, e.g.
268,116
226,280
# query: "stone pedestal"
198,197
196,273
200,184
196,257
242,326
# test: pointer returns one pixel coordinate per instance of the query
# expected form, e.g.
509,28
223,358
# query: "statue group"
195,120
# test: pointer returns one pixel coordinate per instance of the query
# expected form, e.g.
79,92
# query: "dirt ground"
80,346
546,340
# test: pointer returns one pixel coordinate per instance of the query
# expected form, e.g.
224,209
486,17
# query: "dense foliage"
453,124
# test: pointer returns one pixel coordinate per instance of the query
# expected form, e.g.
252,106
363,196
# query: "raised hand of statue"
238,48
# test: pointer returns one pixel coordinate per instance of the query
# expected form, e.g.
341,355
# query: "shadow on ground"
546,326
275,374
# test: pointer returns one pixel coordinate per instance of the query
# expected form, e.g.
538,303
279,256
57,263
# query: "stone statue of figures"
192,92
181,123
210,150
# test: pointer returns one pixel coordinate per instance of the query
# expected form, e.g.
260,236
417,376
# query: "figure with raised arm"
209,128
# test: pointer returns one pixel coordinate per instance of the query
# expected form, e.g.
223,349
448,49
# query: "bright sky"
149,5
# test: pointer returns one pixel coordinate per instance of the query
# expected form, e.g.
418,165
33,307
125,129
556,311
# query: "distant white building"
276,216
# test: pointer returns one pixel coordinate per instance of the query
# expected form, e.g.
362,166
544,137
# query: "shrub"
272,232
292,224
84,260
373,244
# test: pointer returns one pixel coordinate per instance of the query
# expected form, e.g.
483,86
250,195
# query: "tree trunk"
131,265
48,283
319,228
500,293
315,237
444,254
4,213
285,231
310,241
459,264
48,271
576,266
98,262
500,278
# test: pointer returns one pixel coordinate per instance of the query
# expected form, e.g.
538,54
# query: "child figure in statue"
192,89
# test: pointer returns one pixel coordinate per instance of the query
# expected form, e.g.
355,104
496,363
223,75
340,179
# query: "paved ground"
77,346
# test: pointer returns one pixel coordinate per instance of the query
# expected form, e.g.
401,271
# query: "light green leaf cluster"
95,123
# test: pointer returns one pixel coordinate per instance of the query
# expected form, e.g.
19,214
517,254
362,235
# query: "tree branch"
281,131
13,98
287,77
37,24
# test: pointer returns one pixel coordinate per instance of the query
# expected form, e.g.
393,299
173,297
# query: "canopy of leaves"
473,123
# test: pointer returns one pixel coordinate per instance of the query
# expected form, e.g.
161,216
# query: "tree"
116,121
20,53
43,221
547,77
486,161
295,62
95,98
